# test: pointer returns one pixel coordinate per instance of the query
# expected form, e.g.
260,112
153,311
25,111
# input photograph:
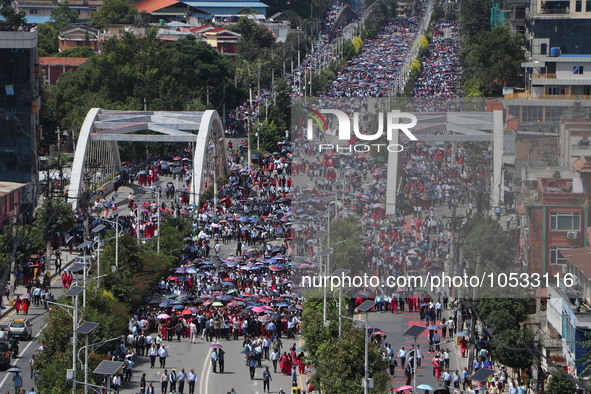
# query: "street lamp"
415,332
73,292
341,272
365,308
85,329
97,230
117,229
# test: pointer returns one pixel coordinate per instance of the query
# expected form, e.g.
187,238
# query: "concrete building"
39,11
53,67
20,76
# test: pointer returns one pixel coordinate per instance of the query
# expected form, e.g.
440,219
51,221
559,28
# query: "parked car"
4,355
20,328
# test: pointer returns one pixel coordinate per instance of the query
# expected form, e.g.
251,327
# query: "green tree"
494,57
503,313
84,51
11,17
475,17
344,235
250,30
51,217
560,384
62,15
484,234
341,365
48,40
512,348
114,12
132,69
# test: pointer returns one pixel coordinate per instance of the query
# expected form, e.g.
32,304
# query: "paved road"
37,317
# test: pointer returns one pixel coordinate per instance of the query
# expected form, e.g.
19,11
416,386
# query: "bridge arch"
97,160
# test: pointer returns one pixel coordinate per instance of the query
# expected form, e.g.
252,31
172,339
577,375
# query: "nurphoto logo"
344,125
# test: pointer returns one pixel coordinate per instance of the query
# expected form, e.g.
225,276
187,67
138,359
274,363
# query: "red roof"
201,29
62,61
153,5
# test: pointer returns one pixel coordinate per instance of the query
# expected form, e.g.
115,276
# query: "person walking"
163,353
143,384
402,357
275,356
17,380
150,389
182,378
214,360
164,382
266,380
191,380
173,378
252,365
221,354
153,352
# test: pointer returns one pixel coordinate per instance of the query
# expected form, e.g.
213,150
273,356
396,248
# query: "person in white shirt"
191,379
402,357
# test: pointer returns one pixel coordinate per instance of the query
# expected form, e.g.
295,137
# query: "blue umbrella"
282,304
425,387
178,307
165,304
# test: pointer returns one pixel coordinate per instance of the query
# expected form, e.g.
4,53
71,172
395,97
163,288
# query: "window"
578,6
555,90
565,221
578,70
543,49
555,256
33,11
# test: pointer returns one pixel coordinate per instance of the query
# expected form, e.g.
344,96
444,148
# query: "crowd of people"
373,72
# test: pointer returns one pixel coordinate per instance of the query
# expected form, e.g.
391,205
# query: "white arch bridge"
97,160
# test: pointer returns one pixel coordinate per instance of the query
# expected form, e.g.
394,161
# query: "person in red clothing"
25,306
18,304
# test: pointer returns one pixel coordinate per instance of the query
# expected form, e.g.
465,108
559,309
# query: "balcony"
543,76
580,150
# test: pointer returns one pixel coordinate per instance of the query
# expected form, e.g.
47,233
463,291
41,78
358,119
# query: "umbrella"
215,346
403,388
462,334
187,312
425,304
425,387
25,296
379,333
265,318
217,303
258,309
14,369
433,327
178,307
163,316
165,304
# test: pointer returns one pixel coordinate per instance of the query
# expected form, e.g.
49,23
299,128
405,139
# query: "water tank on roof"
555,52
161,23
576,105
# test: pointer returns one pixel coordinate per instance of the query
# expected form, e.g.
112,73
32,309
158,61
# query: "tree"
512,348
114,12
494,57
84,51
135,69
559,384
250,30
62,15
341,367
503,313
347,254
11,17
484,235
48,39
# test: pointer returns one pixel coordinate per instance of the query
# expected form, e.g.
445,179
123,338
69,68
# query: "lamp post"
97,230
117,229
85,329
73,292
365,308
341,272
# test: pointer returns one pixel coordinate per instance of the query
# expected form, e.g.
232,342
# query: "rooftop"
62,61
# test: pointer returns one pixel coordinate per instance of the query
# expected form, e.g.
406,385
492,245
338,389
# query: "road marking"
22,352
205,372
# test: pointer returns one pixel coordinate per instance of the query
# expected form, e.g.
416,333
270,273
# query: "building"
53,67
225,41
10,201
19,110
557,60
79,36
39,11
173,10
555,215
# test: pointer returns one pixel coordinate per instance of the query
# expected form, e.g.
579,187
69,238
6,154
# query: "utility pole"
472,347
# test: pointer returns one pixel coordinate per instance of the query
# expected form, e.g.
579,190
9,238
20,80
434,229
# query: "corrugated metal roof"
154,5
226,4
579,258
7,187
